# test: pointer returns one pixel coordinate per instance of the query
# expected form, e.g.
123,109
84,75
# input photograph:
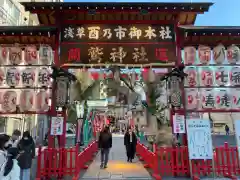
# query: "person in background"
227,129
130,142
4,139
14,140
105,144
11,170
26,149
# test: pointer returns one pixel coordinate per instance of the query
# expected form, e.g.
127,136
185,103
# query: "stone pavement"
118,167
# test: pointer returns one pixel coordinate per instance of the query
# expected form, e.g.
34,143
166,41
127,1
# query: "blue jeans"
25,174
104,156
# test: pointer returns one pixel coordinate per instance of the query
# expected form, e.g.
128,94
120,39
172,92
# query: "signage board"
178,123
118,33
57,126
199,139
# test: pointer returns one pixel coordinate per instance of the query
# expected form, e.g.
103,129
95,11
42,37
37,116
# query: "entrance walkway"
118,167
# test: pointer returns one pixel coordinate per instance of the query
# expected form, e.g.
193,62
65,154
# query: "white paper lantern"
9,101
26,100
3,55
41,102
151,76
28,77
207,78
12,77
31,55
190,55
192,78
208,98
235,76
44,77
221,76
204,54
2,76
15,55
233,54
223,99
219,54
191,99
45,55
235,98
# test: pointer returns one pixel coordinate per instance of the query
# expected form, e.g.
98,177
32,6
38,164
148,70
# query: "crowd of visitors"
16,156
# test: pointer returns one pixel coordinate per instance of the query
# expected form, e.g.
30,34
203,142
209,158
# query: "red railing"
63,161
84,157
174,161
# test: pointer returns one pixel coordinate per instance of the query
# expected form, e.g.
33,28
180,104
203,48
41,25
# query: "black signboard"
94,53
118,33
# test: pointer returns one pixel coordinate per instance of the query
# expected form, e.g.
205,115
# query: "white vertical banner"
199,139
57,126
178,123
237,134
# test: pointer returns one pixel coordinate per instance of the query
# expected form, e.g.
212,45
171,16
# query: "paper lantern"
3,55
223,99
28,77
221,76
207,77
26,100
9,101
233,54
15,55
42,99
151,76
208,98
204,54
2,76
191,98
31,55
219,54
189,55
45,55
235,76
192,78
235,100
12,77
44,77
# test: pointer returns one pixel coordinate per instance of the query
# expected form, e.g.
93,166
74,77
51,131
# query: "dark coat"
105,140
130,146
27,153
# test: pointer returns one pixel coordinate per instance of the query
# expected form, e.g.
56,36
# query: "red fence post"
156,173
39,163
226,148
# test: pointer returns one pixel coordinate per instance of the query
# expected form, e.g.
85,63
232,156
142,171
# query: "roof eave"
176,7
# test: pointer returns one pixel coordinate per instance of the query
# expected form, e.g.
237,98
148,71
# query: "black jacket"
105,140
26,153
127,139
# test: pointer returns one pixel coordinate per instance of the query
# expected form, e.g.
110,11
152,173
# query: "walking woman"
11,170
130,142
26,148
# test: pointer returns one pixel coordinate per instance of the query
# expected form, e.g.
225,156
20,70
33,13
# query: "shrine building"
154,37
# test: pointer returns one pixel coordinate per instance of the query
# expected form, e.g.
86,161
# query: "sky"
222,13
